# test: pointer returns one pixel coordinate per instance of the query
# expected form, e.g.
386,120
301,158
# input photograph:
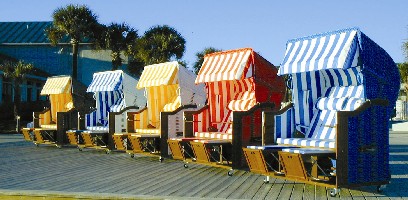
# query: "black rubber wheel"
333,192
185,166
107,151
230,172
79,149
265,180
132,155
161,159
380,188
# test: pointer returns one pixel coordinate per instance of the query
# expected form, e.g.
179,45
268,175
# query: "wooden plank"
287,189
222,182
264,190
232,188
188,187
242,189
321,192
298,190
160,185
225,185
356,194
276,189
255,187
309,192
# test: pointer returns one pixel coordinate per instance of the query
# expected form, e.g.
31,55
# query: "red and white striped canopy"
226,65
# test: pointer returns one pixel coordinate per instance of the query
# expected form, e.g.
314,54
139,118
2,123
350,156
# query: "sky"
264,25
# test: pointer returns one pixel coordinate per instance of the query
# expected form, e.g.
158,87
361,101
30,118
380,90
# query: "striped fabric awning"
159,74
334,50
106,81
57,85
227,65
245,97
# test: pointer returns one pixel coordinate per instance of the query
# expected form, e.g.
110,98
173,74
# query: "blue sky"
263,25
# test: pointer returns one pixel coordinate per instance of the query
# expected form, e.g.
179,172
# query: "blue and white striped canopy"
334,50
106,81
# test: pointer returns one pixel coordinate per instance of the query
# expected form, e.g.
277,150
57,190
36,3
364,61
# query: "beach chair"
113,91
240,84
335,133
170,91
66,97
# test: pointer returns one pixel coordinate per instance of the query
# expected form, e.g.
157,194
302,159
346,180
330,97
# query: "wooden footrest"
26,133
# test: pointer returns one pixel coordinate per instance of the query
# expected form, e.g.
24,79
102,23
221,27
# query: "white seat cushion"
308,142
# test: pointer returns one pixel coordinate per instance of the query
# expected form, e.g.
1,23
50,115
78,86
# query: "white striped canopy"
106,81
57,85
159,74
333,50
223,66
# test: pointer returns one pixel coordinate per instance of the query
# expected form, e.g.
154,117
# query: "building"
27,41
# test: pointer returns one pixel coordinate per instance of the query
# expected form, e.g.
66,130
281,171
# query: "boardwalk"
60,173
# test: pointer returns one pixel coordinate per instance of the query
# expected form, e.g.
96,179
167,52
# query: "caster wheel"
37,145
161,159
381,188
334,192
266,180
108,151
132,155
230,172
59,147
79,149
185,166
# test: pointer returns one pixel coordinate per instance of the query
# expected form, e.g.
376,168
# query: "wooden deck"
50,172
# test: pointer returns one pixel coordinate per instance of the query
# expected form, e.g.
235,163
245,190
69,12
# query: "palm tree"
200,57
118,38
160,44
16,71
75,22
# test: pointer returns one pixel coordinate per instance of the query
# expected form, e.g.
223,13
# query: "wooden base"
176,149
256,161
72,137
119,141
27,133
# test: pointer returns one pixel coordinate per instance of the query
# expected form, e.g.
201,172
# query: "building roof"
26,33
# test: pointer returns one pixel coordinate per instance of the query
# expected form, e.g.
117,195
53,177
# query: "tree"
403,68
16,71
118,38
200,57
159,44
77,22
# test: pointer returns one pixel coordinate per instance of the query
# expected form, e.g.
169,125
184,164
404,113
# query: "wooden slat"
25,167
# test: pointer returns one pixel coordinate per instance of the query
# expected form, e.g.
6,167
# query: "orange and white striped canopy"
226,65
159,74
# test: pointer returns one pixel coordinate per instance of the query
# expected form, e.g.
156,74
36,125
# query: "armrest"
363,132
273,129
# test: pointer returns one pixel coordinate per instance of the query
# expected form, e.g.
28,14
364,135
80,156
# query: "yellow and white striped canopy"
159,74
57,85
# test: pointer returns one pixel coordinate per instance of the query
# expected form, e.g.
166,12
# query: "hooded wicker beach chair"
335,133
170,90
240,84
66,97
113,91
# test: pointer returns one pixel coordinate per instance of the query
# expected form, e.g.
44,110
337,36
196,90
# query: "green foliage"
160,44
200,57
403,68
118,38
16,71
76,22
